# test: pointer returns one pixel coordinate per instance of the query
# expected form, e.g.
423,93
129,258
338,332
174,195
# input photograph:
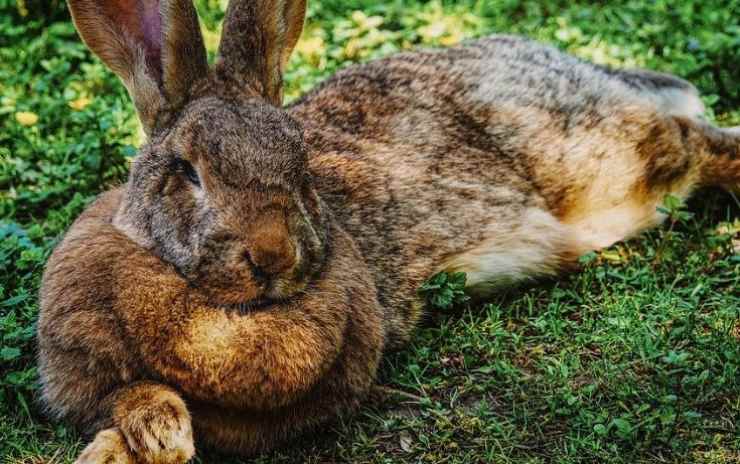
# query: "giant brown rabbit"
242,286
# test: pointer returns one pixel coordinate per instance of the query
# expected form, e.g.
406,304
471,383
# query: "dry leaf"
406,441
611,255
79,104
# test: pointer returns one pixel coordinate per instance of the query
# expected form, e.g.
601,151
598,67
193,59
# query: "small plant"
675,209
444,291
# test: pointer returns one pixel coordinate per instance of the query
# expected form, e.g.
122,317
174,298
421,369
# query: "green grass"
634,359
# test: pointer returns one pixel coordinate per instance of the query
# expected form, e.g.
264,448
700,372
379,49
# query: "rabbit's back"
487,81
509,70
502,157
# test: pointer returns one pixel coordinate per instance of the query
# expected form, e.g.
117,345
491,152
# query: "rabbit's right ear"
258,37
154,46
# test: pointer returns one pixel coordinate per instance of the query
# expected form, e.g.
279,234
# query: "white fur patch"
610,218
601,229
679,102
533,247
540,244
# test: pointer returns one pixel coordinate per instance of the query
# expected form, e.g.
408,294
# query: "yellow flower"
729,228
26,118
453,38
366,22
351,49
433,31
80,103
444,29
310,46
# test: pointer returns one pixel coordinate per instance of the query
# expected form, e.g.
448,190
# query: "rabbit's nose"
268,261
271,252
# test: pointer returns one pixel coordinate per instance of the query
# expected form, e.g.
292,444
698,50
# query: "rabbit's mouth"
258,304
277,295
228,293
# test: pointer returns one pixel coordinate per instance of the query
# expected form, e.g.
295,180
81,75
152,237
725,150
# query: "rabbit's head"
220,189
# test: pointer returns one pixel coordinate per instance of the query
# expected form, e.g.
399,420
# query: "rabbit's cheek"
311,248
221,271
285,288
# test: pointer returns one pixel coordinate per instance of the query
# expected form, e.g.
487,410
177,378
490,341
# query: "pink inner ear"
150,21
141,21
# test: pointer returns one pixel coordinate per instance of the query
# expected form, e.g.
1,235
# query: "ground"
635,358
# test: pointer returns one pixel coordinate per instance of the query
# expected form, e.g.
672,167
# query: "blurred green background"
635,359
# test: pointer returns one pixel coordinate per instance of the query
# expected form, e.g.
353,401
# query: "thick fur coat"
244,283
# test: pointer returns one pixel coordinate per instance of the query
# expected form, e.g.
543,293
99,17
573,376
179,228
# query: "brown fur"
276,367
245,281
258,59
109,447
158,61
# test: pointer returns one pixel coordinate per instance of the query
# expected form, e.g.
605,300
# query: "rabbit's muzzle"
271,257
271,252
276,255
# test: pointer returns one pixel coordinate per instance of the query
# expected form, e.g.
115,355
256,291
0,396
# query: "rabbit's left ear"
257,40
154,46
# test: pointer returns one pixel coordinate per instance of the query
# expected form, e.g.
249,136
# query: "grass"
634,359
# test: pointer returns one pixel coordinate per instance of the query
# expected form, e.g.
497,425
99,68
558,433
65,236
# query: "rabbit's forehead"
233,141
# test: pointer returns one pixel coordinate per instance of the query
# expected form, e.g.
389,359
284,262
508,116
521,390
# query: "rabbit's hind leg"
683,153
721,157
675,156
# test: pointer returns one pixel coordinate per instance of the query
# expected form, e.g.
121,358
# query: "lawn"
636,358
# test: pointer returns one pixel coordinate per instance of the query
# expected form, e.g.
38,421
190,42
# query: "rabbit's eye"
187,170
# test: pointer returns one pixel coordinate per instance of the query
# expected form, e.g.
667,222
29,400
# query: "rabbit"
244,284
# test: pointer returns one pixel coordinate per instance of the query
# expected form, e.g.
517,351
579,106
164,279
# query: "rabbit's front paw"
158,430
109,446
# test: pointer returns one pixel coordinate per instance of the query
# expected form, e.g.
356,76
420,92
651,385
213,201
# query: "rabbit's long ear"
154,46
258,37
